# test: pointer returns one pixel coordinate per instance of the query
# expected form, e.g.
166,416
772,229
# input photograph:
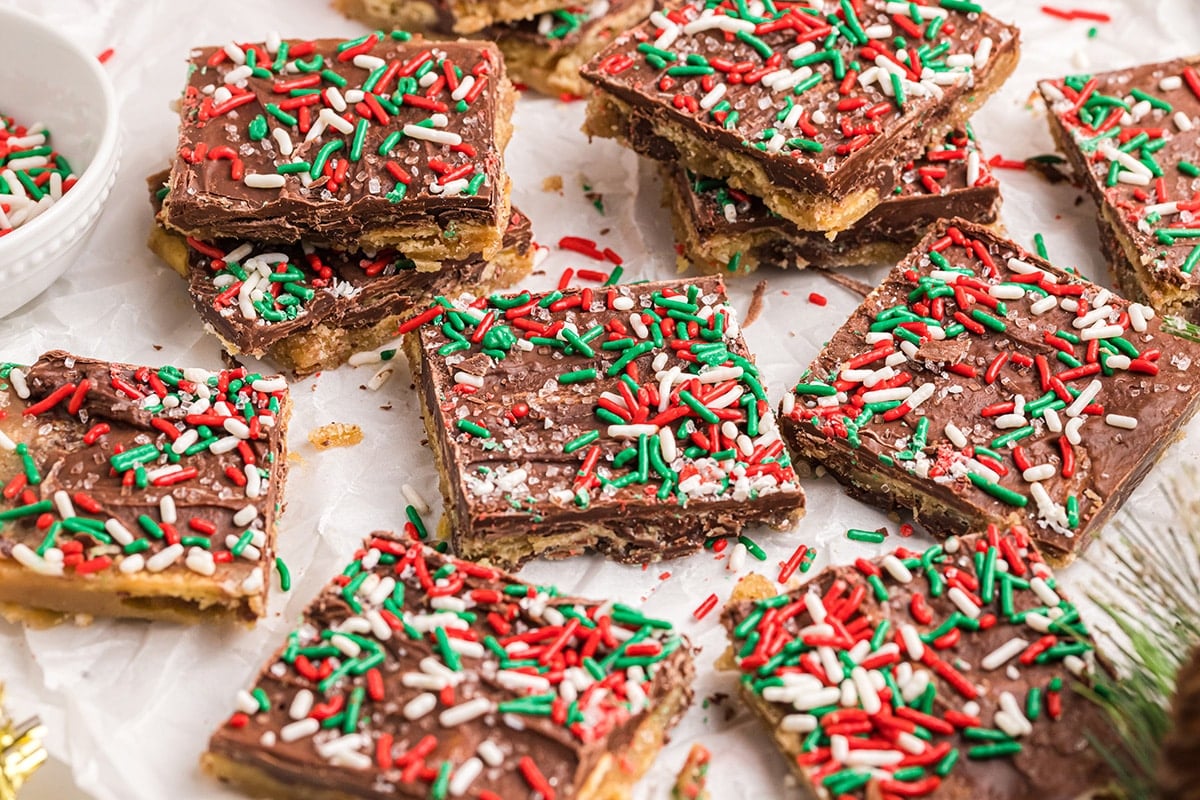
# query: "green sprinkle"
578,376
474,429
997,491
859,535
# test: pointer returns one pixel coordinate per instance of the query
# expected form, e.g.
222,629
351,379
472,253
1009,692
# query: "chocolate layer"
1130,136
577,420
952,391
372,696
944,674
766,93
117,474
416,166
723,229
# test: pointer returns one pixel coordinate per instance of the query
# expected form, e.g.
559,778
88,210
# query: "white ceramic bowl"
47,78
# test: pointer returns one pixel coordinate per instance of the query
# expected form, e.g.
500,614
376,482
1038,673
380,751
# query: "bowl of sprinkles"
59,154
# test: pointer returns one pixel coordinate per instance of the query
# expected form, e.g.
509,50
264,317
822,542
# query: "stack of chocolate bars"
797,133
544,43
323,188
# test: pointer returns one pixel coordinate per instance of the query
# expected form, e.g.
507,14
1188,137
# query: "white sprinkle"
245,516
955,435
464,88
29,559
1042,589
1009,421
368,62
887,395
1137,317
631,431
873,758
983,52
491,753
965,604
1006,291
236,427
713,97
464,776
17,378
667,444
201,562
419,706
165,558
236,54
301,729
238,74
257,180
912,642
468,379
1133,178
718,22
1183,121
798,723
63,504
1047,303
129,565
1121,421
415,499
1052,420
7,443
895,567
302,703
1101,332
1040,472
867,695
253,481
430,134
815,606
1071,429
1003,654
737,558
920,395
465,712
1084,399
1170,83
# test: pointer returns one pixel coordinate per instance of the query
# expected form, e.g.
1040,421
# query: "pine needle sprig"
1151,598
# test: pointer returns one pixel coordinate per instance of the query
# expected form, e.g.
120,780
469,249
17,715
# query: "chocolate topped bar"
418,675
311,308
1130,136
943,674
725,230
136,492
813,108
546,52
374,142
979,384
629,419
444,16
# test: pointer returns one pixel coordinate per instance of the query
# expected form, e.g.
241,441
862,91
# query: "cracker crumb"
554,183
335,434
756,305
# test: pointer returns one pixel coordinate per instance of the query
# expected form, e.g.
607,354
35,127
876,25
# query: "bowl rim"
105,150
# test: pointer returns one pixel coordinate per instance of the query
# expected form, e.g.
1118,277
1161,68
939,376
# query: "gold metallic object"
21,752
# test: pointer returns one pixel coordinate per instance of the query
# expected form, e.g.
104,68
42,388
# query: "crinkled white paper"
130,705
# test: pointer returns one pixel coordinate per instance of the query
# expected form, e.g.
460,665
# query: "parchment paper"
130,705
